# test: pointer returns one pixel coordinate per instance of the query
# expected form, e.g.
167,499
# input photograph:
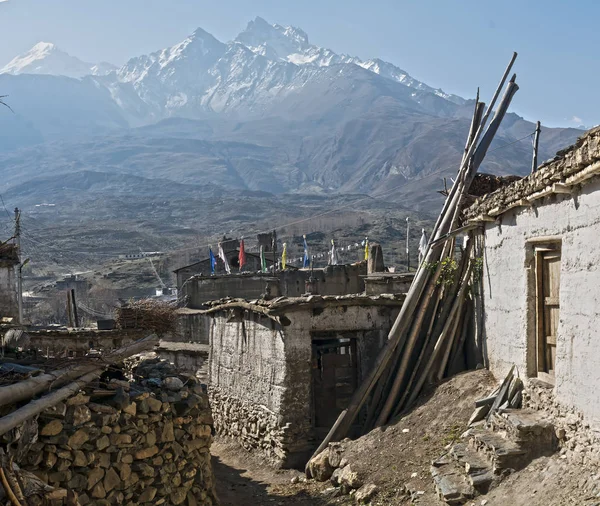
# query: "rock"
78,415
146,453
79,459
125,472
78,400
147,495
319,467
78,482
131,409
98,491
349,479
168,433
103,442
154,404
295,480
179,494
365,493
49,460
78,439
53,428
174,384
95,475
111,480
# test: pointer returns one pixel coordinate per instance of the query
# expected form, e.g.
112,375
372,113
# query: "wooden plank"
539,313
501,397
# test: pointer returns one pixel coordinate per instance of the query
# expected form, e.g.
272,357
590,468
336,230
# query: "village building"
540,275
281,371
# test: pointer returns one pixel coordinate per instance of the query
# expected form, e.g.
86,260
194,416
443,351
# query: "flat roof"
571,166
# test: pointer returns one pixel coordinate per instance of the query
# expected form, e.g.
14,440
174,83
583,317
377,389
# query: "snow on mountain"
46,58
291,44
263,65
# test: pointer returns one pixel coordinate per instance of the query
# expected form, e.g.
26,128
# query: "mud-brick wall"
573,222
145,448
247,381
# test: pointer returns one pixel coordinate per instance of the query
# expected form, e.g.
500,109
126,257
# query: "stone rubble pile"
147,443
331,465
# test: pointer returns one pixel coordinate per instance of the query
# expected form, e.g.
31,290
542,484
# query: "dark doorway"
335,377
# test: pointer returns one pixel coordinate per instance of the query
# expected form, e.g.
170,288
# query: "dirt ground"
244,479
397,458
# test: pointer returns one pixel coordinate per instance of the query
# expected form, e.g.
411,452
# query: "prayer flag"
224,259
263,260
284,256
213,260
242,255
306,261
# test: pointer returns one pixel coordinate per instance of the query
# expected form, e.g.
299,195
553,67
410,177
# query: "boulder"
319,467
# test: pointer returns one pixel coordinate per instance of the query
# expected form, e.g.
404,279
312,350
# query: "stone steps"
488,452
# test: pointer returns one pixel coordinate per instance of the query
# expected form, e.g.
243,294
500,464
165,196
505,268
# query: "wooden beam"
561,188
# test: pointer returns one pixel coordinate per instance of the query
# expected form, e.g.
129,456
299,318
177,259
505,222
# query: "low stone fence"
149,443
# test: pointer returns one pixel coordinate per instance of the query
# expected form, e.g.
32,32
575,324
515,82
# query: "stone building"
9,259
541,275
280,372
330,280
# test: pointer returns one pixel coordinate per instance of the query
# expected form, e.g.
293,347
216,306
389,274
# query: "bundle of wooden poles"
147,314
430,330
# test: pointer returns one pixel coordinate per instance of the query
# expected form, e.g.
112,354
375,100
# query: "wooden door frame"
539,250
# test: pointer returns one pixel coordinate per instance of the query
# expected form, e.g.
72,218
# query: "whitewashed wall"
509,293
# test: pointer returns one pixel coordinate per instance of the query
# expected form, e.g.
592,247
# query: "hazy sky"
453,44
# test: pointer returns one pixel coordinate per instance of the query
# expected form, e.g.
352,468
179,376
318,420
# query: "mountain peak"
47,58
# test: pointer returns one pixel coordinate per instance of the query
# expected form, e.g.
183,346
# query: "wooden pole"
74,302
399,331
536,141
407,245
29,388
33,408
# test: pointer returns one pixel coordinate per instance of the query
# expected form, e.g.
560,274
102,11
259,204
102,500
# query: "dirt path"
244,480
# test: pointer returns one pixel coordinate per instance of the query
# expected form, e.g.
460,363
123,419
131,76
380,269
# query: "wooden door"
548,307
335,378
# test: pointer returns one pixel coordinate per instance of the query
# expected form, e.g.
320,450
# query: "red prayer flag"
242,255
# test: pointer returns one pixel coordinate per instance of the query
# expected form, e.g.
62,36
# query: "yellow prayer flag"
366,249
284,256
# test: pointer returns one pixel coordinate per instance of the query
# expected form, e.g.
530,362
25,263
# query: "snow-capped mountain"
291,44
264,66
46,58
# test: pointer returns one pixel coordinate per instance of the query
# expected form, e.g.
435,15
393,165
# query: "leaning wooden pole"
34,408
400,330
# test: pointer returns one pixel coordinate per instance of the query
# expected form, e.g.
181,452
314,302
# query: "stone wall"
148,444
509,292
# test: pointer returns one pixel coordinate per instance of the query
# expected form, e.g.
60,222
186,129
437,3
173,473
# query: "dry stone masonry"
147,442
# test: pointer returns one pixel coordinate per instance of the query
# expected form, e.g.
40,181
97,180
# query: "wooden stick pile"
508,395
147,314
427,338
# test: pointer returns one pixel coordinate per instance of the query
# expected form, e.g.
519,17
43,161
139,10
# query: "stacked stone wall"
147,444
